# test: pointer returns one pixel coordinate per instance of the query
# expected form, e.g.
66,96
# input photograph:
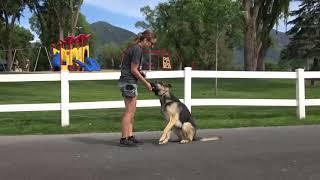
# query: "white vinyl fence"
65,106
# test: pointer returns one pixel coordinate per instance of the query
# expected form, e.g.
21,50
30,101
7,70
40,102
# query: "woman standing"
130,74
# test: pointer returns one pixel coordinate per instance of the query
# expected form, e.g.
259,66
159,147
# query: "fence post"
187,87
300,94
64,98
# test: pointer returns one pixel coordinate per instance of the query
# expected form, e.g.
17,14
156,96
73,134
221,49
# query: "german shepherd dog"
177,115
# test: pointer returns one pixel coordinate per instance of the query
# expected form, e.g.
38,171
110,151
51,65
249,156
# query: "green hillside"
106,33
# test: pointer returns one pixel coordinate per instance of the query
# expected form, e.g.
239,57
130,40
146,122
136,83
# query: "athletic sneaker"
134,140
125,142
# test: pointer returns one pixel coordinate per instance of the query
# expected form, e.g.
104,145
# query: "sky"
123,13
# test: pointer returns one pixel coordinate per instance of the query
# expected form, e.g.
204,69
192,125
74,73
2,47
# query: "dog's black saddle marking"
184,113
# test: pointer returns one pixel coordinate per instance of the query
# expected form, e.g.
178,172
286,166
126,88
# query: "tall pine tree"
305,34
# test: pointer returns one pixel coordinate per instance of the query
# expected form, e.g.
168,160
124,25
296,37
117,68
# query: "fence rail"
65,106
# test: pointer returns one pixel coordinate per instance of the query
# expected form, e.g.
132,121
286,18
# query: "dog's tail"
213,138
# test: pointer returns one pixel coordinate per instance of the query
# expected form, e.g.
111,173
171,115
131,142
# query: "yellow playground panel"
76,54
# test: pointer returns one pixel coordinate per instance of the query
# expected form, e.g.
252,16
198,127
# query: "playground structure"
74,57
156,59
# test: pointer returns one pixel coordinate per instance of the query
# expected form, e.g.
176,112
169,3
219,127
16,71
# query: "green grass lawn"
149,119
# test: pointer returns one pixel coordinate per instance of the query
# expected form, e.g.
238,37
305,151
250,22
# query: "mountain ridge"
106,33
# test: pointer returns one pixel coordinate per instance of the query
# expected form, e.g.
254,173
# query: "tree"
260,18
278,8
305,35
75,11
22,37
220,19
10,12
170,22
53,16
189,28
110,56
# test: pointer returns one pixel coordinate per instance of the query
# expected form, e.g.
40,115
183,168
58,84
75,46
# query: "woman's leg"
128,116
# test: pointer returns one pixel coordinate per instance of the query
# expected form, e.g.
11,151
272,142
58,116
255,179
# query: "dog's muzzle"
153,85
154,88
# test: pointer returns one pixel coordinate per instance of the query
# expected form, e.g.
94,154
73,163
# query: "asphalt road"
276,153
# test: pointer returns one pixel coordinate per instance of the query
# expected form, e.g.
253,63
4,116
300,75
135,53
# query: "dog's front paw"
163,141
163,137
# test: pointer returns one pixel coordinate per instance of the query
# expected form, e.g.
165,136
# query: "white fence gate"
65,106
